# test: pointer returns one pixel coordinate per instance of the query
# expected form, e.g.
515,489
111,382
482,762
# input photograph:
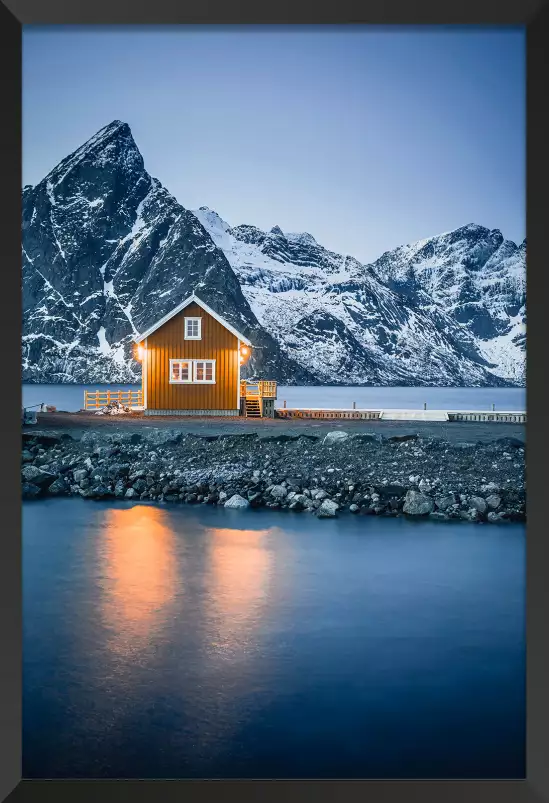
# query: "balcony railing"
262,389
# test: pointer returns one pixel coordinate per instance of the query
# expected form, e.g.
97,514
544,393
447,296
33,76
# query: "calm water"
71,397
201,642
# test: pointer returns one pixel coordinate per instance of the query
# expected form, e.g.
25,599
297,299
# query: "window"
192,371
204,371
193,328
180,371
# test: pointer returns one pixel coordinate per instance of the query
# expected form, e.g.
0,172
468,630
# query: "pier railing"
264,388
96,399
287,412
507,416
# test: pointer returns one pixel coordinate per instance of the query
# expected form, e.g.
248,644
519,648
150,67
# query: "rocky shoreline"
324,475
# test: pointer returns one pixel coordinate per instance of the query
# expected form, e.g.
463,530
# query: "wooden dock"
508,416
314,412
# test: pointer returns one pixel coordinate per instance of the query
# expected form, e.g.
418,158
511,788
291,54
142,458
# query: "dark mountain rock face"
107,251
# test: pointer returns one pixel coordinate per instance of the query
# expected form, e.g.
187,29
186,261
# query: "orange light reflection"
139,578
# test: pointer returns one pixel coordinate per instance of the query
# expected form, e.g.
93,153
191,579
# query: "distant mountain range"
107,251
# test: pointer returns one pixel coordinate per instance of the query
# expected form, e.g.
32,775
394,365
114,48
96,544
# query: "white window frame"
188,381
196,320
192,373
203,381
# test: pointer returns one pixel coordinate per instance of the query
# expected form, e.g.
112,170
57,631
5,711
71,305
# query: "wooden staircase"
253,407
253,396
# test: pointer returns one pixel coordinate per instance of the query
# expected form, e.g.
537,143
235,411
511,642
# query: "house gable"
191,300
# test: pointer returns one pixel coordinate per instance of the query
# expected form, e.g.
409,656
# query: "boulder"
119,489
367,437
37,476
417,504
237,501
118,470
299,502
515,443
337,436
490,486
408,436
278,491
327,509
446,501
30,491
58,487
140,485
100,491
493,501
478,503
131,493
47,439
80,474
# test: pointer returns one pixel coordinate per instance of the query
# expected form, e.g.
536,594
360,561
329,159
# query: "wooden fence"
96,399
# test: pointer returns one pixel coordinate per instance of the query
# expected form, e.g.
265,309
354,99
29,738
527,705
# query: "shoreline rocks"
326,476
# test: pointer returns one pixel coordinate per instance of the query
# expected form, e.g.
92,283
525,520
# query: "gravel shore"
323,470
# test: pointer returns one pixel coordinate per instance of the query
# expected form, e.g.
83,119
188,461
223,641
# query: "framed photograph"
266,292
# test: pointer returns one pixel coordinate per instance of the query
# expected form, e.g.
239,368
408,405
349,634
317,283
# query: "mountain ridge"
107,250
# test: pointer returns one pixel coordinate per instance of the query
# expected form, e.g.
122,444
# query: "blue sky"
366,137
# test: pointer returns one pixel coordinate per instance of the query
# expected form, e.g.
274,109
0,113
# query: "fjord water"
191,642
71,397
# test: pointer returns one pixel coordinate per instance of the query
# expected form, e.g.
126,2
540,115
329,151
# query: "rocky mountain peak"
302,237
107,251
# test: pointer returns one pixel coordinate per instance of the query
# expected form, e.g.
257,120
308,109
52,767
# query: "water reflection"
140,574
238,586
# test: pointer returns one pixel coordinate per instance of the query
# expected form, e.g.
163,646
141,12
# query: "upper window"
193,328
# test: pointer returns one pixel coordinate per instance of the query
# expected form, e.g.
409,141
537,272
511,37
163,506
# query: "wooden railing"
263,388
96,399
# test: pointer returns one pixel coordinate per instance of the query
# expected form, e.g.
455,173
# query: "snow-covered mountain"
107,251
475,276
445,311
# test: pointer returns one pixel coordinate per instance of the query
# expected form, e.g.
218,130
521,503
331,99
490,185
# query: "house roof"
192,299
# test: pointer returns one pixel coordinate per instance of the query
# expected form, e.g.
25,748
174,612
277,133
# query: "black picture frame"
534,14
